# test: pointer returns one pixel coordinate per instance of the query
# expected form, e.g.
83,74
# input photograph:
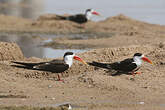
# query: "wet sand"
85,85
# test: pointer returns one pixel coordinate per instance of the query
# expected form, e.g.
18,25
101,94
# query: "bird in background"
80,18
129,65
54,66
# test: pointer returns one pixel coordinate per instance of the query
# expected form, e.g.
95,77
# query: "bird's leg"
82,25
133,73
59,79
62,74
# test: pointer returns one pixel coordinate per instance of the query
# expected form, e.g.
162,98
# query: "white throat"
88,15
137,60
70,107
69,60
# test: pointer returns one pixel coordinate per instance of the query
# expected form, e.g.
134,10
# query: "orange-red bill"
79,59
95,13
147,60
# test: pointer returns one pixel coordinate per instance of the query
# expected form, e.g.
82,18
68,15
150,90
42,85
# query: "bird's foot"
134,73
137,72
61,80
81,26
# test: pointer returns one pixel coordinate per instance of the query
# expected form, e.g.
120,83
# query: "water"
31,46
144,10
152,11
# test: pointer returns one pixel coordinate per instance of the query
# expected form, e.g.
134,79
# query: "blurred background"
152,11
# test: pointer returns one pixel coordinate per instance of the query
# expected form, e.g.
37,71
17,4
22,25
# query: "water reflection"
30,46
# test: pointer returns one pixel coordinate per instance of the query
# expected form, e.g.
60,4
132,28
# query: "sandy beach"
114,39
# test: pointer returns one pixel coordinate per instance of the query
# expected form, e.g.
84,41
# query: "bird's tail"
61,17
24,64
101,65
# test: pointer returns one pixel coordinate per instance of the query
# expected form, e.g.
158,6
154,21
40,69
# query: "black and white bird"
54,66
125,66
80,18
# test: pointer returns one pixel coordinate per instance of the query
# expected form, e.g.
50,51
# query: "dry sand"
10,51
87,86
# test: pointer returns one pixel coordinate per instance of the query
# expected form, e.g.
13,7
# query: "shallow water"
146,10
31,45
152,11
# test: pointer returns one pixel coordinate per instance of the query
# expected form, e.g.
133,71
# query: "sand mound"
55,24
12,21
10,51
119,24
88,85
14,24
101,55
49,17
108,55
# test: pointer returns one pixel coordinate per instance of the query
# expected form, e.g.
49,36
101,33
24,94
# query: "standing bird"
80,18
54,66
125,66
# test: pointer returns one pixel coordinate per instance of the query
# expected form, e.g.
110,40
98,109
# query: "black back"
126,65
55,66
79,18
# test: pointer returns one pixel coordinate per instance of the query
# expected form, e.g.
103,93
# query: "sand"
10,51
85,85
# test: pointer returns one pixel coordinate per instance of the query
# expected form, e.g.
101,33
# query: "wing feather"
56,66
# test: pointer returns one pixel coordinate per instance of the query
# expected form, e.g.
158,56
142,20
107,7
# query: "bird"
54,66
129,65
80,18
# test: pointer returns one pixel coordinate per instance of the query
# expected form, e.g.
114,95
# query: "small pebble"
53,98
90,86
141,103
23,99
50,86
132,79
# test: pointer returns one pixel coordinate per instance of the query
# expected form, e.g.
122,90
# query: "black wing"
101,65
29,65
79,18
61,17
126,65
55,66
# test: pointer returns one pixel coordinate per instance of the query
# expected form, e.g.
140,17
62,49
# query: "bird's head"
69,56
139,57
90,12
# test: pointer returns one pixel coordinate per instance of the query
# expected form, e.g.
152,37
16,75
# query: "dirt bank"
116,31
117,25
10,51
87,86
